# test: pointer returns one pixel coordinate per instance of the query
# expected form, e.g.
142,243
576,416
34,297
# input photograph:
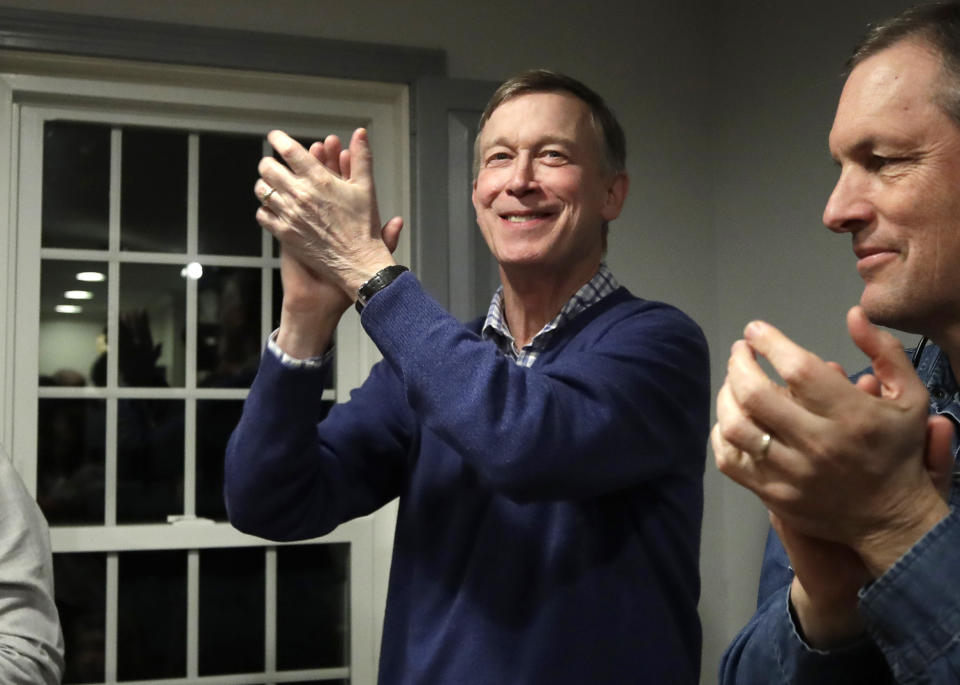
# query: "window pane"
216,419
76,185
153,192
227,205
152,615
152,324
228,327
72,340
81,581
232,611
312,595
150,460
70,458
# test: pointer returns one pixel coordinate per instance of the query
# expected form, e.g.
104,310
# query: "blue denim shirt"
911,613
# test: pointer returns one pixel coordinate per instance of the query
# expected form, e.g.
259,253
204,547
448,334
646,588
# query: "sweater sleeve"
290,476
31,644
629,407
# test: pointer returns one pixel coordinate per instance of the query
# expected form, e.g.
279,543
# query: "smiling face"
899,189
541,193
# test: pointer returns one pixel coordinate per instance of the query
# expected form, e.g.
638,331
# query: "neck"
532,297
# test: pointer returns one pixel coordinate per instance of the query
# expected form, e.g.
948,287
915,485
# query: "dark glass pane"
228,327
70,449
330,380
313,623
152,324
149,460
76,185
153,192
231,611
216,420
152,615
277,300
80,582
227,205
73,323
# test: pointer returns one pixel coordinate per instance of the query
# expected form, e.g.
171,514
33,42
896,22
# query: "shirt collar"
495,326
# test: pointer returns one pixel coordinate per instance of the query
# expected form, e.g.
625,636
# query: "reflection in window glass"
70,459
80,582
228,327
149,460
153,191
232,611
216,419
76,185
152,323
72,340
227,205
152,615
312,596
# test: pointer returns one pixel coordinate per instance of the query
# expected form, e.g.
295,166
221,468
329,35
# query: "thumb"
938,457
890,364
391,232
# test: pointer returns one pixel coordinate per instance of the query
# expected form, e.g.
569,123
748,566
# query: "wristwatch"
378,282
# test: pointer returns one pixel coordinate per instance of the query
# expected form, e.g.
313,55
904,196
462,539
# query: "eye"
497,158
877,162
553,156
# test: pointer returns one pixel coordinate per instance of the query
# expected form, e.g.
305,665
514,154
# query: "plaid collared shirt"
495,327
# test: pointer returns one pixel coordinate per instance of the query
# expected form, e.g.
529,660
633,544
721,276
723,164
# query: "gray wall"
726,106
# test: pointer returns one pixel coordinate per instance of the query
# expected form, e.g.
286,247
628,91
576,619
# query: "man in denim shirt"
860,577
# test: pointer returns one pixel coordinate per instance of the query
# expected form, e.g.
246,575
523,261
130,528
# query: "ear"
617,188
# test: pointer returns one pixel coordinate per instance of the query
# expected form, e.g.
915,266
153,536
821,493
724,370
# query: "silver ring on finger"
765,441
265,196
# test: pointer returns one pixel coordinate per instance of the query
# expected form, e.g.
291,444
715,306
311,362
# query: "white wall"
726,106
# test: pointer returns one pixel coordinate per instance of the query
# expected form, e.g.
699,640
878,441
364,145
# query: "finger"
890,363
361,158
345,163
300,161
869,384
275,174
333,148
938,455
836,367
316,149
729,460
391,232
816,386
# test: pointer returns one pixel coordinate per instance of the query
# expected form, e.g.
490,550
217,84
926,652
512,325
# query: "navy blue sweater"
549,521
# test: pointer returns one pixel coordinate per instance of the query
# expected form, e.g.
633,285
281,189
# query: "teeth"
520,218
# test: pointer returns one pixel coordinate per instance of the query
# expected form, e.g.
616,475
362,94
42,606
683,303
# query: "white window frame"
34,86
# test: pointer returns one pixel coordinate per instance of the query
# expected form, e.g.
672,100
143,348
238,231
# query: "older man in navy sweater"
548,457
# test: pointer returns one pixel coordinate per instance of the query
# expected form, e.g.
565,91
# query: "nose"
848,207
522,180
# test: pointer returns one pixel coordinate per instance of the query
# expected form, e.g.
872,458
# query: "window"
144,290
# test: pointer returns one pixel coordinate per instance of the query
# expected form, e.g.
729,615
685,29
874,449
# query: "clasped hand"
323,209
861,465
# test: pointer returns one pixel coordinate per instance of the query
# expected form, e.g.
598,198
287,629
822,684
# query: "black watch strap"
378,282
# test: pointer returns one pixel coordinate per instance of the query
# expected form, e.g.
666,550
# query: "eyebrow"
545,140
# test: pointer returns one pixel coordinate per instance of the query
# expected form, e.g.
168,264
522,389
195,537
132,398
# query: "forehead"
890,93
531,117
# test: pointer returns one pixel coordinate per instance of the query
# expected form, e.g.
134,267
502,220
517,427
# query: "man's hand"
848,464
330,224
312,301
